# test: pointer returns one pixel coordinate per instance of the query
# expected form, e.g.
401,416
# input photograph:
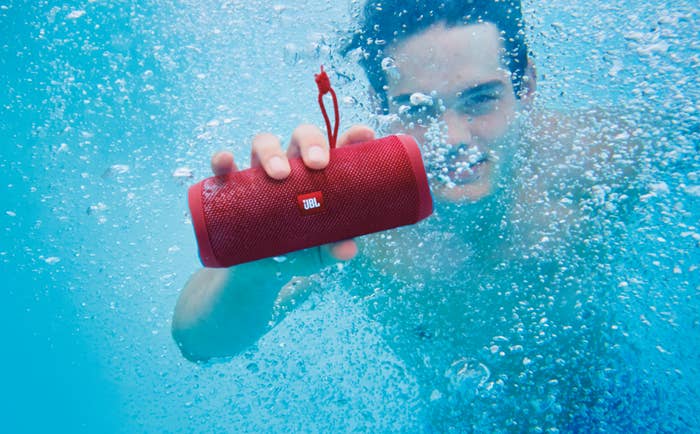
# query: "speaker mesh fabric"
367,187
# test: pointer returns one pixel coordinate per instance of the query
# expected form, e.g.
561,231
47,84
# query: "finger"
309,142
302,262
222,163
309,261
342,250
356,134
268,153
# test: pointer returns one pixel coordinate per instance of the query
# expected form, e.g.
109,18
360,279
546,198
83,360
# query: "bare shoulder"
584,156
595,141
593,126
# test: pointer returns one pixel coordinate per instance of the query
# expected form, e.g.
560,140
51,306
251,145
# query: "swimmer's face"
462,69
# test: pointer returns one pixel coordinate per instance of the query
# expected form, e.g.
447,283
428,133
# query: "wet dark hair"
386,22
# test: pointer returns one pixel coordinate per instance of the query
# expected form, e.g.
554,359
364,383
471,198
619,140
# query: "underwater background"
110,110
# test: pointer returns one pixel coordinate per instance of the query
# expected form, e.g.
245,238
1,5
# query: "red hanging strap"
324,86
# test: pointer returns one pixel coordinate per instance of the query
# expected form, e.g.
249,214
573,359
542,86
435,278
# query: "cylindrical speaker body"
366,187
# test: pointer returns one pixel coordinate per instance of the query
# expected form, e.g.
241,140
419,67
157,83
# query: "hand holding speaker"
317,194
307,142
368,187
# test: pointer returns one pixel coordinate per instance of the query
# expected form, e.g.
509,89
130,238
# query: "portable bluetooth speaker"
366,187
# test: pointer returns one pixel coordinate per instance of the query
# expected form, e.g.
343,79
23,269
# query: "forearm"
220,312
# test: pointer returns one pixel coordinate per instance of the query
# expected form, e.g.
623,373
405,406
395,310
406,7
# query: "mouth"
465,164
458,164
463,171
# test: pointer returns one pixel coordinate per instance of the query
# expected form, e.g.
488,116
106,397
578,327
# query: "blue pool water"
107,107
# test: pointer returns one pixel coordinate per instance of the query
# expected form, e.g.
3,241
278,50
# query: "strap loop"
324,87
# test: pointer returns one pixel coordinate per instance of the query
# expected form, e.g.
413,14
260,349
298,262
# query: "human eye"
480,104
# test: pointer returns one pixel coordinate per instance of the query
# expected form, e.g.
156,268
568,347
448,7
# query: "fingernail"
277,164
316,154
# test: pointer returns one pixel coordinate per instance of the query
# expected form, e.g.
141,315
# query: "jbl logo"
310,203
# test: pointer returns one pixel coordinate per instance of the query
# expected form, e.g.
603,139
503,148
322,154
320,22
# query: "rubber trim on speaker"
425,200
206,253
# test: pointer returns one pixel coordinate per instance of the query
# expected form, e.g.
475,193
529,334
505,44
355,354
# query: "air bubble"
466,376
389,67
420,99
51,260
182,172
74,15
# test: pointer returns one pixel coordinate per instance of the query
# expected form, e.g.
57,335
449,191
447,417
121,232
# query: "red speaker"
366,187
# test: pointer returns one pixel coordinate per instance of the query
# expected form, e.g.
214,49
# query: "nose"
459,128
